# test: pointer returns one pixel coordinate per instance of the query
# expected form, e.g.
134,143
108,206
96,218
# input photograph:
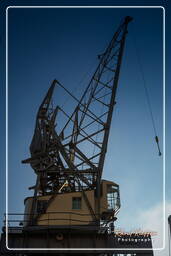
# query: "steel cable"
146,94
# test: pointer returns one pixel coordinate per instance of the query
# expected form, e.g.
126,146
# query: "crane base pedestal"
39,241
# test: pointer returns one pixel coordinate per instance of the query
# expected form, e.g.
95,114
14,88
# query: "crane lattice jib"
87,141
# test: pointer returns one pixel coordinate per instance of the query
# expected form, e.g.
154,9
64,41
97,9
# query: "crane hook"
157,141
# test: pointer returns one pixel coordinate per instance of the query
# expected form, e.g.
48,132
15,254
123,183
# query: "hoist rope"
147,94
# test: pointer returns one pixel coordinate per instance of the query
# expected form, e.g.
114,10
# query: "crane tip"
128,19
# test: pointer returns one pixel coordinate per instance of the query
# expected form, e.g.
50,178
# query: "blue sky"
45,44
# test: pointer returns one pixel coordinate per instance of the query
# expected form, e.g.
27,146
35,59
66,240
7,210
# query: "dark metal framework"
73,158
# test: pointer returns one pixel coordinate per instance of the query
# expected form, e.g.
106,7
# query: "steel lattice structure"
71,159
66,156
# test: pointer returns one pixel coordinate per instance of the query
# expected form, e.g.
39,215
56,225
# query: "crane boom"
93,114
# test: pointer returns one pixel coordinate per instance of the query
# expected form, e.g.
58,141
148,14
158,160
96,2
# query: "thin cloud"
152,219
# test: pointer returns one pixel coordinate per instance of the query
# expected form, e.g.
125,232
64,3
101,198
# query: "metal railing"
49,218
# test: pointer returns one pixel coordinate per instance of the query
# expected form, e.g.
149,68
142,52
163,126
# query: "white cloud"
152,219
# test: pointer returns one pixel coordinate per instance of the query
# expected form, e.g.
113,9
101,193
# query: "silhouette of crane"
72,206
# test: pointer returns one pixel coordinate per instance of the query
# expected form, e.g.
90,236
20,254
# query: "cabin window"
76,203
112,197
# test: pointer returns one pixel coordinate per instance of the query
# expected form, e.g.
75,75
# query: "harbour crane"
72,206
63,160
